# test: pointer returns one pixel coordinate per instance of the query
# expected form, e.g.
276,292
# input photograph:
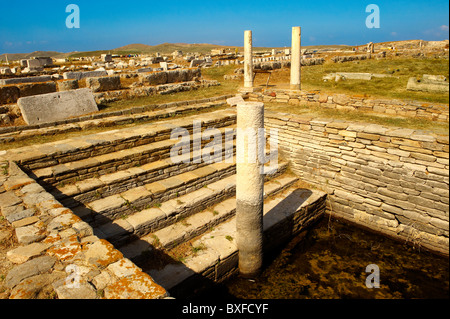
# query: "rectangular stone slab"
83,75
57,106
30,79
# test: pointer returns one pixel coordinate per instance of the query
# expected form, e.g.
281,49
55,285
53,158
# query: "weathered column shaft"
296,58
248,60
249,189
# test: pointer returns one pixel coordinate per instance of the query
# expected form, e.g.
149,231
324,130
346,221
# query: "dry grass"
311,80
225,87
401,70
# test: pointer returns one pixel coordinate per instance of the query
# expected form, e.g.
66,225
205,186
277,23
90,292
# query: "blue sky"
27,26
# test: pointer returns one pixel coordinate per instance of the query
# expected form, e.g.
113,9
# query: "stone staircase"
174,220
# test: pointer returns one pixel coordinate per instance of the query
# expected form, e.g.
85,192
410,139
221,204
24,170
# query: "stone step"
152,194
41,156
65,175
214,254
138,115
175,208
94,188
187,228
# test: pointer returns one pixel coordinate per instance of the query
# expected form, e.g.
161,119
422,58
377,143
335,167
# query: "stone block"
341,99
433,78
107,57
67,85
323,98
30,89
29,269
5,71
356,76
34,79
368,136
425,86
83,75
57,106
233,101
29,234
155,78
102,254
176,76
83,291
164,66
196,62
101,84
144,70
22,254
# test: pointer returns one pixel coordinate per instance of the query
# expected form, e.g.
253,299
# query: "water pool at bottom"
329,262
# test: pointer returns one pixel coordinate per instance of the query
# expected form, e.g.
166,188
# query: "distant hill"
164,48
167,48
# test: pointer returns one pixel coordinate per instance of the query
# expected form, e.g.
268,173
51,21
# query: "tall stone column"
248,59
249,188
296,58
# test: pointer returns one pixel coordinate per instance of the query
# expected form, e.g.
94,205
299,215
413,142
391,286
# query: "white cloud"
393,33
437,32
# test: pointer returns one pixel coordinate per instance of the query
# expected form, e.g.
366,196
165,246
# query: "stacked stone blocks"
392,180
405,108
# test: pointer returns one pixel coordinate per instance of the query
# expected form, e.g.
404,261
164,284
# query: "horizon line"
218,45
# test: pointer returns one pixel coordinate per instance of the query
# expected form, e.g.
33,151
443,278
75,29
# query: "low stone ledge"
405,108
137,110
42,78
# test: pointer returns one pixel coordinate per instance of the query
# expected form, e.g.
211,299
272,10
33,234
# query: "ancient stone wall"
164,77
416,109
391,180
140,91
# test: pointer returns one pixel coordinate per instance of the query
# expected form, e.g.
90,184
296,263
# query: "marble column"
249,188
248,60
296,58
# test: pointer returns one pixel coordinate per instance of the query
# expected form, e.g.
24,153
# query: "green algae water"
329,262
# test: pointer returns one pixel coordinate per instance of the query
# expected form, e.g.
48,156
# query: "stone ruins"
429,83
109,214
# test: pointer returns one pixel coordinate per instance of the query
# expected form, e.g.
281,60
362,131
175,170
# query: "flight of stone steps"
174,220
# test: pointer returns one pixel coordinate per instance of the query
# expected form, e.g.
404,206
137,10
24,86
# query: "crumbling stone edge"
134,110
58,252
406,108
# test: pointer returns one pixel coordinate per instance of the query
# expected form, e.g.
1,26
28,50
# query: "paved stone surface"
28,269
102,254
22,254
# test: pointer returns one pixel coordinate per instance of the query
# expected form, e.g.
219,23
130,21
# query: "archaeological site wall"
415,109
391,180
12,89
